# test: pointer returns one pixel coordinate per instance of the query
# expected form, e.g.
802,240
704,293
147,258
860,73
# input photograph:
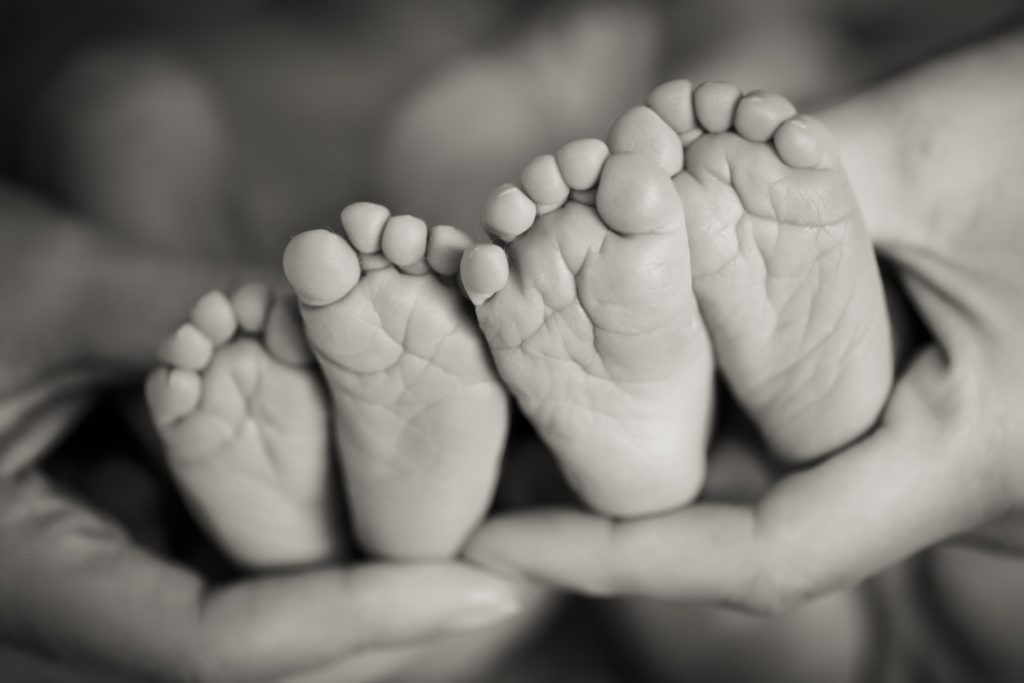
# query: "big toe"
284,336
321,267
641,130
804,142
484,272
636,196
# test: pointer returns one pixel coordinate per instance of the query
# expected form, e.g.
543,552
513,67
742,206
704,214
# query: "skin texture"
94,284
65,284
237,414
612,371
827,639
951,432
420,416
783,268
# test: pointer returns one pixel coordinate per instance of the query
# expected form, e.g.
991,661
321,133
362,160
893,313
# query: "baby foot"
244,423
591,321
420,416
783,268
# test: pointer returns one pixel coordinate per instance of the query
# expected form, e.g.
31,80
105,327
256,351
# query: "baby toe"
404,243
187,348
363,223
641,129
484,272
759,115
250,303
171,394
284,335
673,102
508,213
321,267
445,247
803,142
581,162
636,196
215,317
715,105
543,182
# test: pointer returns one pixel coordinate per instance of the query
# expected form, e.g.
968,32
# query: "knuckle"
203,664
769,597
774,587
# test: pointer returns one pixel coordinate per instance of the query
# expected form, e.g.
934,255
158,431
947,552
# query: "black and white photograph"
511,341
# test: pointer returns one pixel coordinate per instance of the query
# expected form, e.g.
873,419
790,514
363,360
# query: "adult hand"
940,184
74,588
76,594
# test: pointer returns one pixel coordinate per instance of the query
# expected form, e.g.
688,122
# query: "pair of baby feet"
711,229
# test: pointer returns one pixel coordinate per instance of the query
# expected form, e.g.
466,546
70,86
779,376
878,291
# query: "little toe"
404,243
445,247
803,142
543,182
508,213
715,105
250,303
581,161
321,267
484,272
673,102
363,223
284,336
172,393
187,348
759,115
641,129
214,316
636,196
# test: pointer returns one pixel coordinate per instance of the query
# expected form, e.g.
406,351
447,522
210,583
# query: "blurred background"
220,129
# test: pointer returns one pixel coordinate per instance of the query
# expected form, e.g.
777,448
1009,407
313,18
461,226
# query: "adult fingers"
73,586
918,479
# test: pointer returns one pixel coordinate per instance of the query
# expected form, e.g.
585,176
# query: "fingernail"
485,610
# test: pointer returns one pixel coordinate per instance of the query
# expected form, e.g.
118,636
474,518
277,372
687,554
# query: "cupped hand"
77,595
76,590
945,458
